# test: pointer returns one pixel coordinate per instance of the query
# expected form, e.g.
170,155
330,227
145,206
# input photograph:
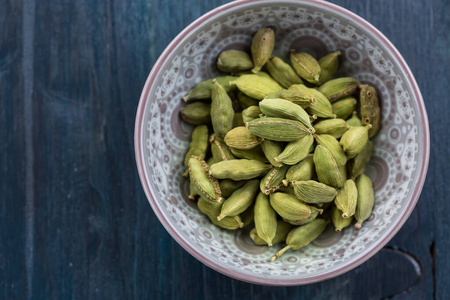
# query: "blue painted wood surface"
75,223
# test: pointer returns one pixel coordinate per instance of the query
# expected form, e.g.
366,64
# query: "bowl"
401,148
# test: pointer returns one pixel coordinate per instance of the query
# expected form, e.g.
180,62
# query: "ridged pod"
346,199
321,106
256,86
303,235
241,138
196,113
265,219
250,113
289,207
314,214
354,139
262,47
234,61
338,221
222,112
329,65
277,129
304,170
198,145
327,169
370,108
306,66
283,229
255,153
202,91
219,149
365,201
273,180
333,127
344,108
207,186
339,88
311,191
295,151
212,210
357,164
240,200
332,144
239,169
295,96
282,72
271,150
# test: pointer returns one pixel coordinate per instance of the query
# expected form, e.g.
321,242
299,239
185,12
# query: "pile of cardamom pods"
283,150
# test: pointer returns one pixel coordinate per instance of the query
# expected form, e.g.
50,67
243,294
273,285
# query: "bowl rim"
269,280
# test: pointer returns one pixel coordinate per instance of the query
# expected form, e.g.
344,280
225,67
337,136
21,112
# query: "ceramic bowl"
401,148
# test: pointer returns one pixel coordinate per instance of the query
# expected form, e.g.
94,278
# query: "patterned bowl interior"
396,168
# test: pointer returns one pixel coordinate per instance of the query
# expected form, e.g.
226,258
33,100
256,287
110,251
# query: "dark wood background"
74,220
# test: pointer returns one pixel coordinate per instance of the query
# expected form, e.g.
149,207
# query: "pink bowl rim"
269,280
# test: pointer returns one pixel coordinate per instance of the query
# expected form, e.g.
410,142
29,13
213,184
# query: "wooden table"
75,223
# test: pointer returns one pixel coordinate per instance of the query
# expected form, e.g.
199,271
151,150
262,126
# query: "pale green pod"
354,139
271,150
207,186
256,153
273,179
327,169
196,113
295,96
303,235
289,207
277,129
370,108
282,72
262,47
333,127
280,108
346,199
333,146
241,138
228,186
283,229
250,113
365,200
256,86
198,145
314,214
329,65
304,170
338,221
320,106
246,101
222,112
233,61
239,169
212,210
265,219
357,165
344,108
339,88
296,151
219,149
202,91
240,200
306,66
311,191
354,120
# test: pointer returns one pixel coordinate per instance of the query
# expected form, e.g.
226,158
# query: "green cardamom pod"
306,66
196,113
332,144
304,170
365,200
311,218
289,207
327,169
240,200
277,129
333,127
282,72
346,199
202,91
280,108
303,235
339,88
241,138
207,186
271,150
283,229
357,164
256,86
295,96
273,180
311,191
198,145
344,107
262,47
233,61
212,210
338,221
228,186
354,139
370,108
222,112
239,169
354,120
265,219
320,106
256,153
246,101
219,149
296,151
329,65
250,113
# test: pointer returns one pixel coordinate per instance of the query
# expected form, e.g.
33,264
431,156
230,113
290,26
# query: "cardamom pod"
256,153
202,91
196,113
246,101
233,61
365,200
327,169
280,108
328,65
346,199
295,151
207,186
289,207
303,235
228,186
357,164
333,127
311,191
306,66
271,150
282,72
265,219
240,200
241,138
250,113
354,120
354,139
343,108
192,191
273,180
311,218
332,144
256,86
295,96
338,221
370,108
283,229
277,129
304,170
339,88
212,210
248,216
262,47
222,112
239,169
219,149
198,145
320,106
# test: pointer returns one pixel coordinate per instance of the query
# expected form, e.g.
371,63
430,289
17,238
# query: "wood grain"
75,221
